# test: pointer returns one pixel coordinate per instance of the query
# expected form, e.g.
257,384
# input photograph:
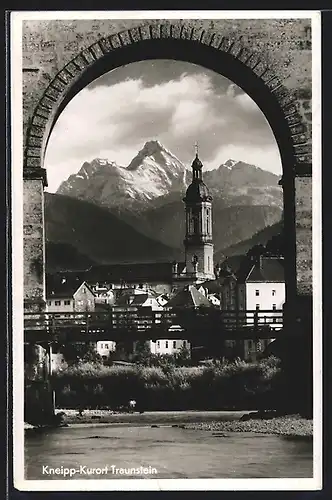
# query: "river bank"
211,421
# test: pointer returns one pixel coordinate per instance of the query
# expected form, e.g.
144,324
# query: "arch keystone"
135,34
155,31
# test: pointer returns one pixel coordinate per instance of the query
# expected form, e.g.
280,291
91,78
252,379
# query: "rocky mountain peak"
230,163
155,151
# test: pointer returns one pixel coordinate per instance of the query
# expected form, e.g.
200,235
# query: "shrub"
217,385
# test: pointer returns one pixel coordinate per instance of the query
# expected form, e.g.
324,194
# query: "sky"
175,102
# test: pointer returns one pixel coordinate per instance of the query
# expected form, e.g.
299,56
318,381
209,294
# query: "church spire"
197,165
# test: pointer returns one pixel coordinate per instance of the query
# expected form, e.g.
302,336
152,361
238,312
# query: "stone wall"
34,247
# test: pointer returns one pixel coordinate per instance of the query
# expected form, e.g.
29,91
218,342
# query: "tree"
142,352
74,352
183,356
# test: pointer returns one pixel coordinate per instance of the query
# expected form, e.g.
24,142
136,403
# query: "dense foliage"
216,385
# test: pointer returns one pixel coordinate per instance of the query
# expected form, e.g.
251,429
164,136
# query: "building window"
66,302
106,346
273,293
57,302
174,344
257,307
184,343
274,307
49,302
208,263
166,344
158,343
257,293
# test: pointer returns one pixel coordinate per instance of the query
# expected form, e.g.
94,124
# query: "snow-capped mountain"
155,176
154,172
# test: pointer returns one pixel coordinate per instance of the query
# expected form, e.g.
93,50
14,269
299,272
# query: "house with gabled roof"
258,285
63,296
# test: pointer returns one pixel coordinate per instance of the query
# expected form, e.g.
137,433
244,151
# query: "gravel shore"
291,425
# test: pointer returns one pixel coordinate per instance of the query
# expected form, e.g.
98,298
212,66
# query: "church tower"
198,240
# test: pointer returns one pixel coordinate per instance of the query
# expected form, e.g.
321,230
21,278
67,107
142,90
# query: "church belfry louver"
198,241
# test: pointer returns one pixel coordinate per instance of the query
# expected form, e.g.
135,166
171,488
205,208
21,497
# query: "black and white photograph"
166,250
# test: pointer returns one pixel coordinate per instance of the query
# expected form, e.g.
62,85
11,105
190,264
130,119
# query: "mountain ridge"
155,173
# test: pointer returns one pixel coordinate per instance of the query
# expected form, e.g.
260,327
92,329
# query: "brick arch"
229,57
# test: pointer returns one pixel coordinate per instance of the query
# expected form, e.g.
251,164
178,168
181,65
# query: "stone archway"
227,56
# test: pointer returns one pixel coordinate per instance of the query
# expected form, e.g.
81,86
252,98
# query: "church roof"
197,191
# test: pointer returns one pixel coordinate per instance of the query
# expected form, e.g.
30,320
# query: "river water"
173,452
